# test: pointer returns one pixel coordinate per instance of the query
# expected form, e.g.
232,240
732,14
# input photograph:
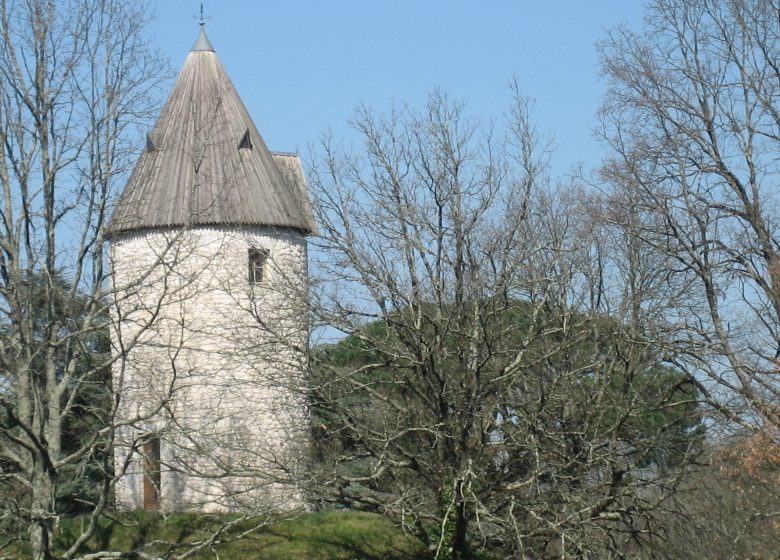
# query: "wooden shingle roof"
206,163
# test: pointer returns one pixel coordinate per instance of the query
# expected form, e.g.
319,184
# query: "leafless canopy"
692,115
76,78
481,396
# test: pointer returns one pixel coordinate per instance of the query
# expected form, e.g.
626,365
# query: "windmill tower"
209,272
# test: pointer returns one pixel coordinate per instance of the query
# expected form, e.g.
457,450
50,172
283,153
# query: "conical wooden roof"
206,163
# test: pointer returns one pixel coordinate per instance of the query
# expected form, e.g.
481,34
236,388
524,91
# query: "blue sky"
301,67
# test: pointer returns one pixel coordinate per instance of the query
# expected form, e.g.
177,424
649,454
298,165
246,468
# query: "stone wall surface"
212,365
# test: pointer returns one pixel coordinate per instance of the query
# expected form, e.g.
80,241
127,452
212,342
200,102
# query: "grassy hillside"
318,536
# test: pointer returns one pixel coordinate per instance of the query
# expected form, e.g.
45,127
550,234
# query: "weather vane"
201,16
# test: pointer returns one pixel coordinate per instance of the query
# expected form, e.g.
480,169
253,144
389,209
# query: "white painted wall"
214,364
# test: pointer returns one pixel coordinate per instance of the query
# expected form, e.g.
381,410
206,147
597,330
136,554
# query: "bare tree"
482,396
76,79
692,117
729,506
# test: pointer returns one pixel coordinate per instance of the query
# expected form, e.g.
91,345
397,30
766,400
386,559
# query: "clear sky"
302,66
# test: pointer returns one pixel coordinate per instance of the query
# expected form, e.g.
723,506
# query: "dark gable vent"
246,142
149,144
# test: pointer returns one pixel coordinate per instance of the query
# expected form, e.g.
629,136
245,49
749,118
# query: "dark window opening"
150,147
246,142
257,260
151,451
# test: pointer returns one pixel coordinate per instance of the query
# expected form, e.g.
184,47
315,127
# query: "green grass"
318,536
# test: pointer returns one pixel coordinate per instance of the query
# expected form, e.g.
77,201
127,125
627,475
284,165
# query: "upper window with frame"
258,259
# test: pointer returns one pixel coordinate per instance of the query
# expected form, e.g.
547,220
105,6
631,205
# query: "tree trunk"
42,510
460,545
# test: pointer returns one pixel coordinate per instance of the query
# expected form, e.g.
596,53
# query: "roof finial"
202,43
201,17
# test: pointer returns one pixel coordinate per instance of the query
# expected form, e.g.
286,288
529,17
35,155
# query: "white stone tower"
208,253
